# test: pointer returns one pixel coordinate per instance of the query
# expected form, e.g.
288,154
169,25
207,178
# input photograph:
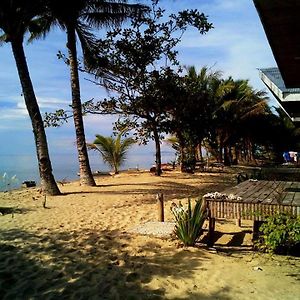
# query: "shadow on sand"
90,264
170,189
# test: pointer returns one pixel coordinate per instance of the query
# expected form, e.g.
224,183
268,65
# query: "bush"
189,221
281,234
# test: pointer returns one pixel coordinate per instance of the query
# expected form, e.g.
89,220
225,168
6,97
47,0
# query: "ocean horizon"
65,166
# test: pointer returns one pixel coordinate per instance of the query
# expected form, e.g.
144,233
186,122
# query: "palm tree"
240,106
78,19
113,150
191,116
16,17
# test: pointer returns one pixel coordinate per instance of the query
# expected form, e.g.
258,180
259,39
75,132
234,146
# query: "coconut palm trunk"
48,182
86,177
157,152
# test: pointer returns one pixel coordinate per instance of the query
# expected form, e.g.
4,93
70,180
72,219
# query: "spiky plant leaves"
189,221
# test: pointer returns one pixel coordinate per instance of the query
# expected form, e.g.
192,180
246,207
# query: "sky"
237,46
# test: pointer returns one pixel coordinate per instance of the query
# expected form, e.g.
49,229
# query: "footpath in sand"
82,246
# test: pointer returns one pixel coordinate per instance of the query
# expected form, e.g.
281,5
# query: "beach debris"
222,196
63,181
152,169
29,183
212,250
257,269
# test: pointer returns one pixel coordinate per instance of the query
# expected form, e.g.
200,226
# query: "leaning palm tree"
78,19
16,17
113,150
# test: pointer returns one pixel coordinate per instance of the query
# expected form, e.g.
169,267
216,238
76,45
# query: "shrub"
281,234
189,221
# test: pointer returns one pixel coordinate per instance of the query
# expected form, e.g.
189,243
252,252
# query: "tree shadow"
7,210
170,189
89,264
235,244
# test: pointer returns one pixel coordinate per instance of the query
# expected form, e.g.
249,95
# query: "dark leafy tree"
138,65
16,18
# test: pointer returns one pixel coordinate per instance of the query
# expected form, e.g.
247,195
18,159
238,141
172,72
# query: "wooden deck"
258,199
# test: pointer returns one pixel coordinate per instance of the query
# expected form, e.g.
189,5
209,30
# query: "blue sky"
237,45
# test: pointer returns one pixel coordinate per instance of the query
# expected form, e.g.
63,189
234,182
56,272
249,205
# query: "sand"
83,246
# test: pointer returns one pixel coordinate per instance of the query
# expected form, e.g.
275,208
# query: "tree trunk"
86,177
157,153
230,155
237,154
182,153
220,154
226,156
200,156
45,169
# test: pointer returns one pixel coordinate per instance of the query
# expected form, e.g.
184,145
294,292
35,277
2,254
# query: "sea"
15,169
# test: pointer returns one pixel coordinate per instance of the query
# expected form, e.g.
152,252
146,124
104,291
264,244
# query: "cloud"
236,45
45,102
13,113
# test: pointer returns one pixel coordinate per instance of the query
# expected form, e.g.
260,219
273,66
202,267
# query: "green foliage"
281,234
139,66
189,221
113,150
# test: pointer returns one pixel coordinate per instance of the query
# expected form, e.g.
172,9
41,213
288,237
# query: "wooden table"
258,199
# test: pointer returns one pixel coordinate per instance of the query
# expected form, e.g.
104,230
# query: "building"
281,22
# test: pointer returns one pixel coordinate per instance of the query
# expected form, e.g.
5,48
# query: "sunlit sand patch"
159,229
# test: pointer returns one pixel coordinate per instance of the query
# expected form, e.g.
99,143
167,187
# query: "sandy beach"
83,246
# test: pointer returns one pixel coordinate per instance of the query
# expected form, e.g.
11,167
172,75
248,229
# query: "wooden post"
211,232
160,207
256,226
238,222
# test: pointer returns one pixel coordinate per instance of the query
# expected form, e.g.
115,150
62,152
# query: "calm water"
66,165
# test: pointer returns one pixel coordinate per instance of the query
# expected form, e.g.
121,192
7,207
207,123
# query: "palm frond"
40,27
88,43
100,14
113,150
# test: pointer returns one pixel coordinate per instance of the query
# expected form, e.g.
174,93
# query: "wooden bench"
254,200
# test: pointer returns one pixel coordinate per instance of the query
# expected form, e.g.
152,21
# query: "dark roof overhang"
281,22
